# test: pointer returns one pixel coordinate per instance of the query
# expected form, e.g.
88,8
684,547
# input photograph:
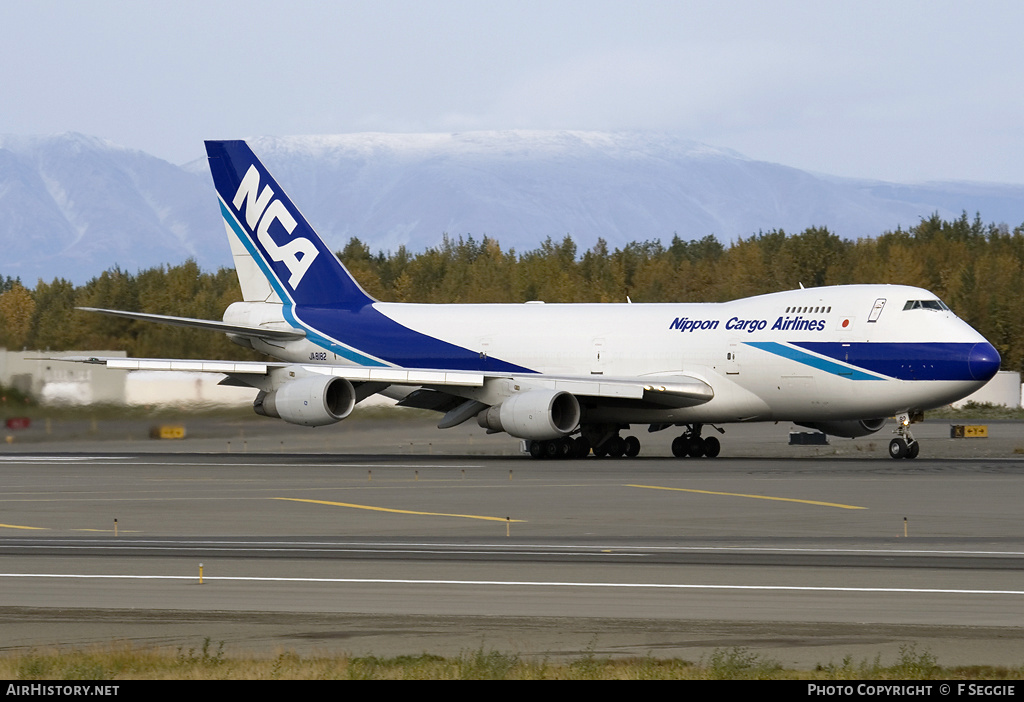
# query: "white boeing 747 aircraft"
568,378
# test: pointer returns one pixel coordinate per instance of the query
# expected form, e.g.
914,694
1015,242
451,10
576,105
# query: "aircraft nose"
983,361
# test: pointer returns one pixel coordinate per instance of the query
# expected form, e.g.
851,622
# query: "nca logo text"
261,210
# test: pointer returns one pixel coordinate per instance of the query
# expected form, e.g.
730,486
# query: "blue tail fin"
267,227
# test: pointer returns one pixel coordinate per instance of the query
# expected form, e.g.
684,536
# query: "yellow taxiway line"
753,497
15,526
397,511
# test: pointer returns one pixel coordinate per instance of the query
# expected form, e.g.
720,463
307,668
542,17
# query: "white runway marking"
206,464
524,583
428,547
57,459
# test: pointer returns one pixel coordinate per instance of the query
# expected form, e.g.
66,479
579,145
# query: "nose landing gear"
904,445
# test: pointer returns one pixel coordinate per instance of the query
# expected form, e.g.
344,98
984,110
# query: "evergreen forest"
975,268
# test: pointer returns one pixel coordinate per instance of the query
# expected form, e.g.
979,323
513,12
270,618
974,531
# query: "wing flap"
671,391
374,374
172,364
402,376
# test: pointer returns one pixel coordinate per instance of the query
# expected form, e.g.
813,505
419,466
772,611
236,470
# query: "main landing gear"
603,440
904,445
691,444
617,447
566,447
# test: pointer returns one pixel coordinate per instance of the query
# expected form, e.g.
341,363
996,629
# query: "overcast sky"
895,90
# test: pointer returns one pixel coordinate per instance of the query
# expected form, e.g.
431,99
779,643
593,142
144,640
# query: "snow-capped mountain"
72,206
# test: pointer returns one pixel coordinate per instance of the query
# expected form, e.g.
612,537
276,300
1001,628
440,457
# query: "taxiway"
803,557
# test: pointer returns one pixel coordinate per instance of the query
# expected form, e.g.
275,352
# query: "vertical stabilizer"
278,256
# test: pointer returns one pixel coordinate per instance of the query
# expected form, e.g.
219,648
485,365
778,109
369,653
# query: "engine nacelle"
534,414
848,429
313,402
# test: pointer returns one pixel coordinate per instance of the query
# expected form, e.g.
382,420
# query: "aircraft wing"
376,374
672,391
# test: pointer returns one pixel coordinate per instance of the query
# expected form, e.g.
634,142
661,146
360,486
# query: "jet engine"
533,414
848,429
313,402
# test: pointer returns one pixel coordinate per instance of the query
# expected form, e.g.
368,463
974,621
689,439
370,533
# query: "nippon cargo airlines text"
684,324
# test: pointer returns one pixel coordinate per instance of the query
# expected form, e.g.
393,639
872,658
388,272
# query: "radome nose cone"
983,361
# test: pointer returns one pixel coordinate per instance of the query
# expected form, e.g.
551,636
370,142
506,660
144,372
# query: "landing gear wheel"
632,446
679,447
566,447
712,447
695,447
616,447
913,449
581,447
898,448
552,449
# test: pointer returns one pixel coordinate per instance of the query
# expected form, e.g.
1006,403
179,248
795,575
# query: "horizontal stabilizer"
238,329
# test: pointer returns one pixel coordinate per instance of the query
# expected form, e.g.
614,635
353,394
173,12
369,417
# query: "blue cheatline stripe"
287,302
378,334
807,359
914,360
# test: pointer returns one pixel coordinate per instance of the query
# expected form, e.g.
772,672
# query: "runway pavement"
392,538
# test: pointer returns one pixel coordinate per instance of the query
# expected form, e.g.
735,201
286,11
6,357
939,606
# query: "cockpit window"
925,305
